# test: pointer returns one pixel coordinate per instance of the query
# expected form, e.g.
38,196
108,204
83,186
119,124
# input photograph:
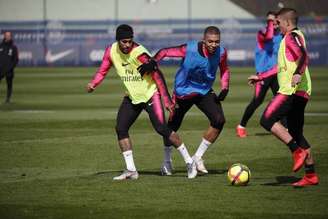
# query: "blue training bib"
196,73
267,58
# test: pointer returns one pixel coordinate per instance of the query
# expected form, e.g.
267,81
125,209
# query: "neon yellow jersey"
140,89
287,69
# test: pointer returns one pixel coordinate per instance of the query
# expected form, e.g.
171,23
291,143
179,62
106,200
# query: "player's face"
125,45
7,36
283,24
211,42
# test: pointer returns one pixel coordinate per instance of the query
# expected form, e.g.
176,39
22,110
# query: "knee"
167,141
163,130
218,122
121,132
266,123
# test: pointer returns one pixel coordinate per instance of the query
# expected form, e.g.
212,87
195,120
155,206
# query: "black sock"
309,168
292,145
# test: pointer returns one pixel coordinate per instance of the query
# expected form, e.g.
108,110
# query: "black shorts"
278,107
292,107
129,112
206,103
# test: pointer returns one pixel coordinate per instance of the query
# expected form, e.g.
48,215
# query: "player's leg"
276,109
213,111
156,115
1,75
174,124
295,128
126,116
9,80
260,91
274,88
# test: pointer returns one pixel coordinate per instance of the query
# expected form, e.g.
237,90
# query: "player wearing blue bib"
193,86
266,57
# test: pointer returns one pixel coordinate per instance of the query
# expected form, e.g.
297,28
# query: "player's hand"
170,108
253,79
271,17
222,95
90,88
169,105
148,67
296,79
172,111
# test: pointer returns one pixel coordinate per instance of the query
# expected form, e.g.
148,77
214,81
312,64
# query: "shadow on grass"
282,181
262,134
176,173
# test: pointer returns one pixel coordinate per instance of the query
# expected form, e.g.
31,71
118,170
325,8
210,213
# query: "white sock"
202,148
167,153
128,157
184,153
240,126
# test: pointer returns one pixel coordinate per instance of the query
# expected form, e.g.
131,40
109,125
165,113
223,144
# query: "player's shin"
167,153
203,146
180,146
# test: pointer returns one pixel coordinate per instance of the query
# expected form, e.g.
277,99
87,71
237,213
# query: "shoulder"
192,43
294,38
222,51
108,48
139,49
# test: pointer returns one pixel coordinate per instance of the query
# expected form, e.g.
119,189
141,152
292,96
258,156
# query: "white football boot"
167,168
127,174
191,169
200,164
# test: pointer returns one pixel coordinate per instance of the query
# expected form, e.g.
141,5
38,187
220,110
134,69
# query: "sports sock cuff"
309,168
292,145
206,142
126,153
181,147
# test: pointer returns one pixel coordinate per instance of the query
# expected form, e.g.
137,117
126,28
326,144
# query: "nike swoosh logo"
151,103
50,58
125,64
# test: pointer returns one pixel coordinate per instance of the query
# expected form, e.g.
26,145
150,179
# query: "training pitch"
59,153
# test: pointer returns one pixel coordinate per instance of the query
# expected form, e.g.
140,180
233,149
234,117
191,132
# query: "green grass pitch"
58,154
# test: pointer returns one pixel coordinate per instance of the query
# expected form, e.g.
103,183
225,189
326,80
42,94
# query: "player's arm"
151,65
273,71
177,51
224,75
296,47
255,78
101,72
15,57
266,35
159,80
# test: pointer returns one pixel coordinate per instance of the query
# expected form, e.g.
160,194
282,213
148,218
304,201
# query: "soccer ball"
239,174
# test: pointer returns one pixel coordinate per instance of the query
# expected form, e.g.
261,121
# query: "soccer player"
293,94
142,94
266,56
193,86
